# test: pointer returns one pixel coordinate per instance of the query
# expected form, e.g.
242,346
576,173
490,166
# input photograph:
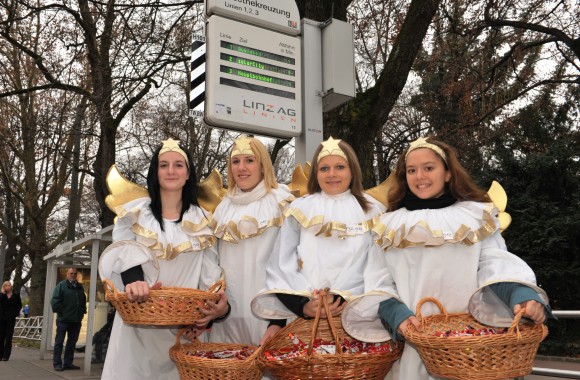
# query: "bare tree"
128,48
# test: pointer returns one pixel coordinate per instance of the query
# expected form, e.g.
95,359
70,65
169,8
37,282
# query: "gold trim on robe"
230,231
421,235
327,228
196,241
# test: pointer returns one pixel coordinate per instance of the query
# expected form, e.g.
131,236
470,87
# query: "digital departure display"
256,64
257,76
257,53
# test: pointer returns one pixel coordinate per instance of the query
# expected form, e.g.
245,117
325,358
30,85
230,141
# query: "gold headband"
242,146
171,145
421,142
330,147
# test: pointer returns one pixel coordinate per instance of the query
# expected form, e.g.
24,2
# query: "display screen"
257,76
257,52
256,64
257,88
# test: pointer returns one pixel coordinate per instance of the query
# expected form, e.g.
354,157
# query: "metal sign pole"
311,136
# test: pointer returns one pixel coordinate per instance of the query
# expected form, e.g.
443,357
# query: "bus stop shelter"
82,254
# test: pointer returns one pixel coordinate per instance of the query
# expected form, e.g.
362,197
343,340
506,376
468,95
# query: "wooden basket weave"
485,357
324,366
165,307
192,367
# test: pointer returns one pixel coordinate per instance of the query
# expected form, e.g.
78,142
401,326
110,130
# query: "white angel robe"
324,242
183,256
451,254
247,225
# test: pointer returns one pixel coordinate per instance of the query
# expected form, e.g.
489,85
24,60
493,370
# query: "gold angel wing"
211,191
381,191
121,190
299,181
499,198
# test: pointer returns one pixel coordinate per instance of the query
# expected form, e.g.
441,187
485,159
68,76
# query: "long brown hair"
356,187
461,185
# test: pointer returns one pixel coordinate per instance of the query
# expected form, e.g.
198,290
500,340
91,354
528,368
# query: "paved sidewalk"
25,364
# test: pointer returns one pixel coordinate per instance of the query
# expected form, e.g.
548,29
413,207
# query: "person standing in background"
69,302
10,304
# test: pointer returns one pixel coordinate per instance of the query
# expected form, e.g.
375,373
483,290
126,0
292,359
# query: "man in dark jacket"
69,302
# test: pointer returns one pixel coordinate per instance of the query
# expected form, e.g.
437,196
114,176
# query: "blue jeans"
72,331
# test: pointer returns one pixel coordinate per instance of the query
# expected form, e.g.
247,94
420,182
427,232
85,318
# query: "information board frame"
253,80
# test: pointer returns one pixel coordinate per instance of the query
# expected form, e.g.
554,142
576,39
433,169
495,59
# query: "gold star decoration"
300,264
330,147
422,142
171,145
242,146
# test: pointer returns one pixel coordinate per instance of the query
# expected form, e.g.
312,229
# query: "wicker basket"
485,357
324,366
167,306
192,367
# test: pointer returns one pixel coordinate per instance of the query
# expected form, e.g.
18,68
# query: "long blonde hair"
263,157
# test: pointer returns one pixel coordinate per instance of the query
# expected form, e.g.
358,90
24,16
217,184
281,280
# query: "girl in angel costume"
160,239
440,239
247,222
324,240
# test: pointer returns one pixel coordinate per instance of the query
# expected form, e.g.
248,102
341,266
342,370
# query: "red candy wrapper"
470,331
241,354
326,347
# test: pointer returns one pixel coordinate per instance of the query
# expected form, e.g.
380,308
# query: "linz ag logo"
270,111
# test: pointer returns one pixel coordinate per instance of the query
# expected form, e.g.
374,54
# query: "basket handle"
180,333
324,303
219,284
515,327
423,301
110,288
433,300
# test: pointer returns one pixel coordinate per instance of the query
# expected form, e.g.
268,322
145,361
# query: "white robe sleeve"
360,317
282,274
126,254
211,271
496,264
283,271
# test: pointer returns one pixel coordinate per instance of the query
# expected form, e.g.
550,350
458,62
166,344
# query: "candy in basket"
320,349
213,361
456,346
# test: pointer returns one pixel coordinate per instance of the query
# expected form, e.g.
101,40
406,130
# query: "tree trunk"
359,121
104,159
39,249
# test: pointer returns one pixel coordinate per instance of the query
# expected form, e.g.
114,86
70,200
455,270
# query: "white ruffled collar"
464,222
246,197
342,195
250,214
194,225
329,215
